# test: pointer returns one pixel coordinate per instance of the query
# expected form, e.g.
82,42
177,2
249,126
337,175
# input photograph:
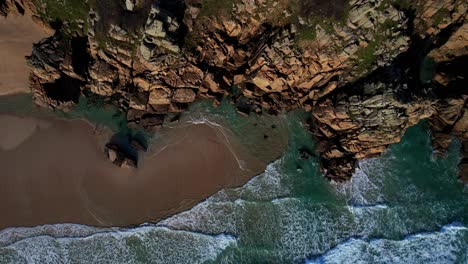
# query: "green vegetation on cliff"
216,7
312,13
73,13
305,14
72,17
366,56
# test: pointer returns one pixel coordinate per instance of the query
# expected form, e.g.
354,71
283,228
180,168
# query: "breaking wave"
449,245
143,244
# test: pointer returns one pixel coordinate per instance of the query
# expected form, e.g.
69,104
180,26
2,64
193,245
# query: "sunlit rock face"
357,69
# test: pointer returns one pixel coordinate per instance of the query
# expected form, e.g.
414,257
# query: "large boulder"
119,158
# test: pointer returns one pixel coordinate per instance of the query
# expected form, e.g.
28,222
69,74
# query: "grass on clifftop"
70,11
72,17
315,13
316,10
217,7
366,56
306,14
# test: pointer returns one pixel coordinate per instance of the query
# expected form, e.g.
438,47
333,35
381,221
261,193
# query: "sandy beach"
54,171
18,33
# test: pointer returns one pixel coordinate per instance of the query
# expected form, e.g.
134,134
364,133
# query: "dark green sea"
404,207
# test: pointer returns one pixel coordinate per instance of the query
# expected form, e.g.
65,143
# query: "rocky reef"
366,70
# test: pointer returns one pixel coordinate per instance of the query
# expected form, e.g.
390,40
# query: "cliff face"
363,118
451,119
366,70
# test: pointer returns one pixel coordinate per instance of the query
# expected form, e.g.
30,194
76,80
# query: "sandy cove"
54,171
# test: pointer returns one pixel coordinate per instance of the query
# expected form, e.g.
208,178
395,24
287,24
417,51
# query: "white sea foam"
267,186
224,211
307,229
11,235
450,245
149,243
365,187
208,217
203,120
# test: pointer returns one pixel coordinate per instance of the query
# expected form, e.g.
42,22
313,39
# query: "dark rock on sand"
145,120
119,157
138,146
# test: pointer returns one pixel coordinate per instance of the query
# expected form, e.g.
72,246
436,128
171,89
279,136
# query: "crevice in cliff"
3,8
80,55
20,8
64,89
455,71
409,63
176,8
406,67
112,12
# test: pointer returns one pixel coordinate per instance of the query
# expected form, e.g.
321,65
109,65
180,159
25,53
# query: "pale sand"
17,34
58,174
16,130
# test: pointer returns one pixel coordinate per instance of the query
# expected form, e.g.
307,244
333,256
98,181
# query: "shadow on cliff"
3,7
407,68
112,12
68,88
64,89
335,9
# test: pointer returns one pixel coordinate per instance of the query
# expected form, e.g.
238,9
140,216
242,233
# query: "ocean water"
404,207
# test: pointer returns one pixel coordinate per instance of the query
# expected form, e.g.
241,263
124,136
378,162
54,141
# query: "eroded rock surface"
355,65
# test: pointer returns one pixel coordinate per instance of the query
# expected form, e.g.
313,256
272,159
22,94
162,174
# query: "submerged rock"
306,153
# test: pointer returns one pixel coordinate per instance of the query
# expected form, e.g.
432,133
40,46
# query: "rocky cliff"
366,70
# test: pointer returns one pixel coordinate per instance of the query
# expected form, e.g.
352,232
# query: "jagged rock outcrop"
433,16
23,7
240,50
451,120
353,64
119,158
361,124
264,62
449,123
361,120
15,6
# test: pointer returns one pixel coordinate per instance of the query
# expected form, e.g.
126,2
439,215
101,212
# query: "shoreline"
198,161
217,127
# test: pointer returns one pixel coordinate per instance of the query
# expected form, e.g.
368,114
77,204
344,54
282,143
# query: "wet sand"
55,172
17,35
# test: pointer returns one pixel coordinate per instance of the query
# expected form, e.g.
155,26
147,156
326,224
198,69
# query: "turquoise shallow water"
92,110
404,207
